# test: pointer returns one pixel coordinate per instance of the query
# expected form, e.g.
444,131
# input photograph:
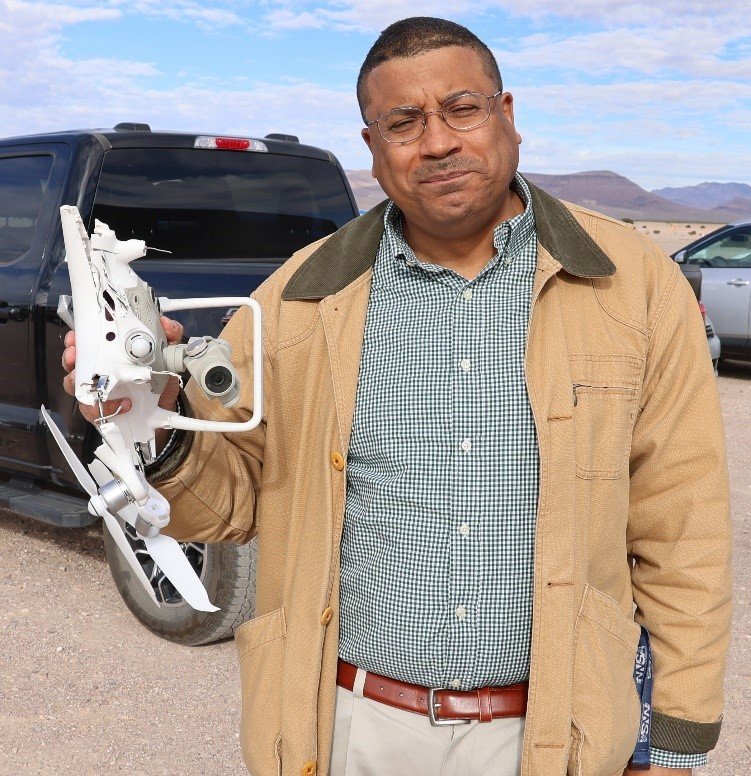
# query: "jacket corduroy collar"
351,251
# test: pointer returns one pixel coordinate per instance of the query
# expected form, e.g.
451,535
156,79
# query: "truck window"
204,204
23,180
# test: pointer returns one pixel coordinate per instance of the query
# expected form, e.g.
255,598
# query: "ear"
367,137
365,133
507,107
506,101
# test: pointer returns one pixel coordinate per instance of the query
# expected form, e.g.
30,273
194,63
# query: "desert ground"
86,690
672,236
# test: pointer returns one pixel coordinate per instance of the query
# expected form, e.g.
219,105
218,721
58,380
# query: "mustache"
455,164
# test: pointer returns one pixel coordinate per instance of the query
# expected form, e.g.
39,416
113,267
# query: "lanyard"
643,678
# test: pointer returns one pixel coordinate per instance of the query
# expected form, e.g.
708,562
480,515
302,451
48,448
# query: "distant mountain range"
617,196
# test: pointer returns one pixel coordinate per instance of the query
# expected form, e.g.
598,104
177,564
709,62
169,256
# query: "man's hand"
167,401
658,770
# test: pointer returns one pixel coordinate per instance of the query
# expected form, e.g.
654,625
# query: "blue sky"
659,92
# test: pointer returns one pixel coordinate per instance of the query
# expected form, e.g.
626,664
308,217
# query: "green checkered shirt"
442,470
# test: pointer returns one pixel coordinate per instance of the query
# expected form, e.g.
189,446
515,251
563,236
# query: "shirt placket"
464,519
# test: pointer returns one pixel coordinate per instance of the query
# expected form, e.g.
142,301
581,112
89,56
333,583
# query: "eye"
462,109
400,121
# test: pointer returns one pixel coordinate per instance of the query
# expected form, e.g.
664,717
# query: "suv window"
203,204
732,249
23,180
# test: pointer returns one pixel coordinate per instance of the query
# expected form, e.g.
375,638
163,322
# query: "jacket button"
326,616
309,769
337,461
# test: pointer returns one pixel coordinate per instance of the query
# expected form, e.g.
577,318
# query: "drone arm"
211,480
170,420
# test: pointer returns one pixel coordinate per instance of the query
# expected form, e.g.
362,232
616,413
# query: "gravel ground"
84,689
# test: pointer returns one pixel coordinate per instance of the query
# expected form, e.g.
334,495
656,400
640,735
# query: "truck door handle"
738,282
228,315
12,313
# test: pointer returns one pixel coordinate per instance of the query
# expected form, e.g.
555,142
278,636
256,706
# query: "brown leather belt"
442,706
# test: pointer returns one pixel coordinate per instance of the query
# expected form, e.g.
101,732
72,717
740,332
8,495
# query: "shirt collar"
509,237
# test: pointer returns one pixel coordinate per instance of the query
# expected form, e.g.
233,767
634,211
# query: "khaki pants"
373,739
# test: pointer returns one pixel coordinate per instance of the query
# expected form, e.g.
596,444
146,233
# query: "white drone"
122,351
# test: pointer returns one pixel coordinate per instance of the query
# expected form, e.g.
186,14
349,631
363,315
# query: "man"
481,404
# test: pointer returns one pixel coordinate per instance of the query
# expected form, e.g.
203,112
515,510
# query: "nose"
438,140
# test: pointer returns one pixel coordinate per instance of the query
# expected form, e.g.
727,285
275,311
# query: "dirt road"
85,690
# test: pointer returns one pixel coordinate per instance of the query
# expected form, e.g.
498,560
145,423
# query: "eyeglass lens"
464,111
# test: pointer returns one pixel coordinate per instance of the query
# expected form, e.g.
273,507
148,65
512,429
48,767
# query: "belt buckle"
432,704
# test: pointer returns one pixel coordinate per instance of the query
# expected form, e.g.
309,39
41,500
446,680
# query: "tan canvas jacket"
633,504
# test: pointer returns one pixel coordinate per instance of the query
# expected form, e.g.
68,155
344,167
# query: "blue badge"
643,678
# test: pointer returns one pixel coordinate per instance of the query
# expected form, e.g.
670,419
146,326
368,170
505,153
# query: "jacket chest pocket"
605,396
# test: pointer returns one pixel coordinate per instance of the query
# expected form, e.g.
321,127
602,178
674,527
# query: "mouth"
445,177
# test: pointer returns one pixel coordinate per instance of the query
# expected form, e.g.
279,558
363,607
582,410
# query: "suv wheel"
226,570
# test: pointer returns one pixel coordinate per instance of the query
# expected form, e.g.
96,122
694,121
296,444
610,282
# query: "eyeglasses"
463,112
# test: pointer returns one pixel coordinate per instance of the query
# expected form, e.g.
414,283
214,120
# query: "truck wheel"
226,570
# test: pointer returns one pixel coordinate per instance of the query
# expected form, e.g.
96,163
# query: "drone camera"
208,361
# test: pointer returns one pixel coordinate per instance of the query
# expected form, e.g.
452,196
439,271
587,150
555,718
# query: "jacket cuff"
683,737
177,449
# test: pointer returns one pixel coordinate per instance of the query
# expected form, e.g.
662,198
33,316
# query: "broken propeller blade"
82,475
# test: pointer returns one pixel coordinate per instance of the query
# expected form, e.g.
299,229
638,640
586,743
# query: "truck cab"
219,215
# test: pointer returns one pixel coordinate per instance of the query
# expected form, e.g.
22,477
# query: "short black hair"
416,35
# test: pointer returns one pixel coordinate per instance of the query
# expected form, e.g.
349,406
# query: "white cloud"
373,15
695,49
19,16
668,107
207,16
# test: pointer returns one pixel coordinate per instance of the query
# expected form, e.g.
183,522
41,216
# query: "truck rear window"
203,204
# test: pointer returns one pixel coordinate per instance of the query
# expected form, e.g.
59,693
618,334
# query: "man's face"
449,180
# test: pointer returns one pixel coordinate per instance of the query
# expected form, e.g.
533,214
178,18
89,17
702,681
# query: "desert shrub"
627,220
655,231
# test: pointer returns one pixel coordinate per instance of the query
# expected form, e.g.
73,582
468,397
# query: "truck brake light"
703,310
229,143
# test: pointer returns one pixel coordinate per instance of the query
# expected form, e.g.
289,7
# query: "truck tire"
227,571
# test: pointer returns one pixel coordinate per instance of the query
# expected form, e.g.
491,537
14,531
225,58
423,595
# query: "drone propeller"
103,475
171,559
164,550
83,477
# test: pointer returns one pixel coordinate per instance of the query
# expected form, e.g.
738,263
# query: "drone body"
122,351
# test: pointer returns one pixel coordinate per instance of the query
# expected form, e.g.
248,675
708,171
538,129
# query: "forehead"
426,79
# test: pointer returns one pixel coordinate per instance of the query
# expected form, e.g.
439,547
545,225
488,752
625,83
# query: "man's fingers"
69,358
70,338
173,329
69,383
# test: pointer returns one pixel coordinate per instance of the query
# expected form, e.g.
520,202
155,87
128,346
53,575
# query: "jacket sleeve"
679,531
212,480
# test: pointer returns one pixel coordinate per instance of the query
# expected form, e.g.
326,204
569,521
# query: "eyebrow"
445,99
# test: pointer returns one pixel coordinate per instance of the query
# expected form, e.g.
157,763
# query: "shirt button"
337,461
326,615
465,364
456,683
467,294
464,529
460,612
466,445
309,769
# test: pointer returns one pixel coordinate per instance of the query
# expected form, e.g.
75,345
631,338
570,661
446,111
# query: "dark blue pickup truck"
229,211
